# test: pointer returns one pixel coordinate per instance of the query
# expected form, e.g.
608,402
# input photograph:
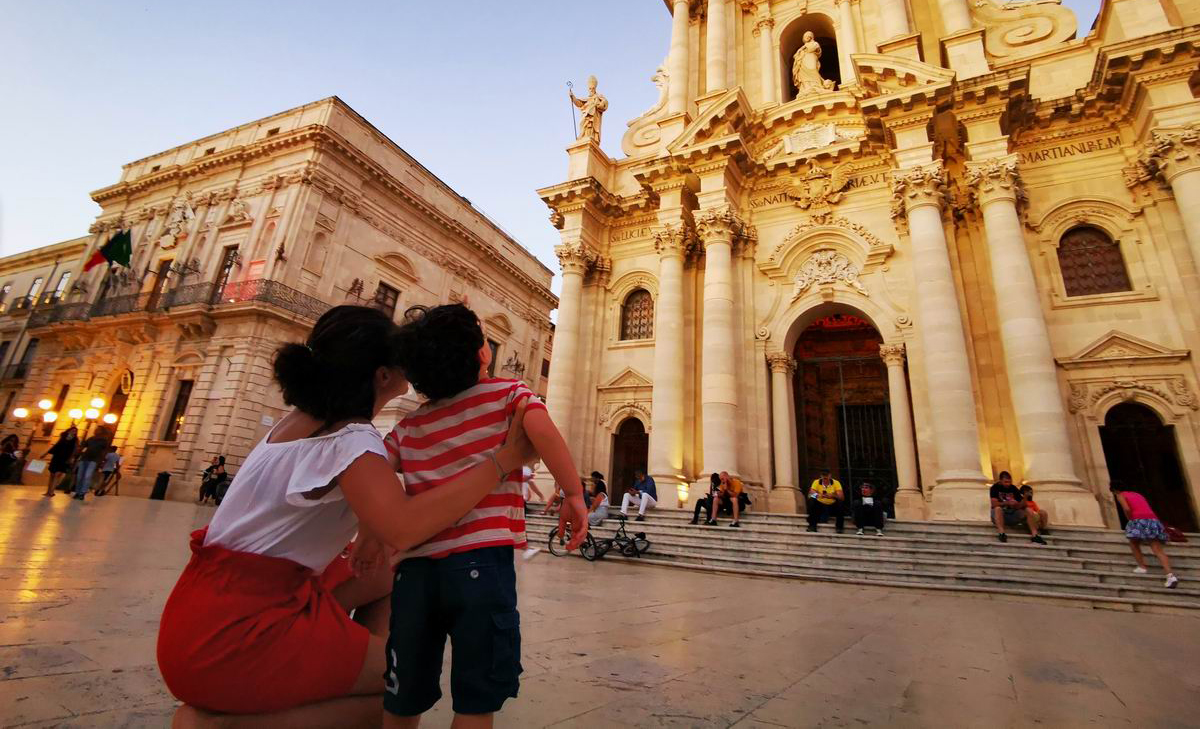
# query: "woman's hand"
369,554
517,450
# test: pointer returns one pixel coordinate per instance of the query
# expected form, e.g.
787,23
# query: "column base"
783,499
960,497
910,506
1068,505
673,490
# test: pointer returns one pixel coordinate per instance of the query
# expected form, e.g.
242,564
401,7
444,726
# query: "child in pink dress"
1143,526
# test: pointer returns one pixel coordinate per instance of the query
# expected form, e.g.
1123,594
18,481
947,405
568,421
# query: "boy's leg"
625,501
480,598
814,514
647,500
839,514
416,641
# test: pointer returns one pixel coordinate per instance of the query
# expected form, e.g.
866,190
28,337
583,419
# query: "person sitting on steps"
706,503
643,492
825,498
1031,508
868,512
598,509
1009,509
731,497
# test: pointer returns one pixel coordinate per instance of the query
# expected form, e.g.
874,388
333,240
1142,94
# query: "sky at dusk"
474,89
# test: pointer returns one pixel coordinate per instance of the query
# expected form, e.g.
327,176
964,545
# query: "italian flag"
118,249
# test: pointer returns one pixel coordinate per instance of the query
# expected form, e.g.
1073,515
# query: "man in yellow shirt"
825,497
731,493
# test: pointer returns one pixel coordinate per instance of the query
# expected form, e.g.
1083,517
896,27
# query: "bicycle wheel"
590,550
640,545
556,546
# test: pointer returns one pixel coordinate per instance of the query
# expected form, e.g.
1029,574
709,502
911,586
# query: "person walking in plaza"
91,452
253,627
60,455
110,471
868,512
1143,527
825,498
643,492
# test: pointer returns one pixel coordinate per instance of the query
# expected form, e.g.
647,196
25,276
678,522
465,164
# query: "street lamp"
45,404
21,413
97,402
49,416
109,418
75,413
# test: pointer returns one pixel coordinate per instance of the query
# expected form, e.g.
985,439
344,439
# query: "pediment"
1120,348
626,379
722,119
884,75
397,265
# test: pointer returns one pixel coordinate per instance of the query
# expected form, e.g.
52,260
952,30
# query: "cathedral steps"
1090,567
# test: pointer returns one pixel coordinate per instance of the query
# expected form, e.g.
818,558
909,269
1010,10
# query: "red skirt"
249,634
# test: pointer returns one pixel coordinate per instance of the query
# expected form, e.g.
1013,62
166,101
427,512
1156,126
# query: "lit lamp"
91,413
75,413
97,403
45,404
21,413
49,416
109,418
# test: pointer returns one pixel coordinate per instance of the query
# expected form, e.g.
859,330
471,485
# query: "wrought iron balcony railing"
204,294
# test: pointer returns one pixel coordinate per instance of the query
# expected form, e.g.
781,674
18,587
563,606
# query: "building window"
545,368
495,349
386,299
1091,263
637,316
318,250
61,288
175,422
20,369
4,350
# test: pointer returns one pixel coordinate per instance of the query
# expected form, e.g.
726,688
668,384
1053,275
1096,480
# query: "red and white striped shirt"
442,439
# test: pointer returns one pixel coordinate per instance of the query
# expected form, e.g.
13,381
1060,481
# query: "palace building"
240,241
914,242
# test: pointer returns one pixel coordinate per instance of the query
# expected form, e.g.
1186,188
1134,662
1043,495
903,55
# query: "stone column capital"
781,362
914,187
996,179
1170,152
763,25
674,240
892,354
574,258
718,225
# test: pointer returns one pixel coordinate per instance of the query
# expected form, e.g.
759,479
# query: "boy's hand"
517,450
368,555
574,512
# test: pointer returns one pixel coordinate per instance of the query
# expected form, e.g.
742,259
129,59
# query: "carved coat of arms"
819,187
825,268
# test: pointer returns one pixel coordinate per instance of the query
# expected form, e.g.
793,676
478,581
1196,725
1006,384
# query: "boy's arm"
552,449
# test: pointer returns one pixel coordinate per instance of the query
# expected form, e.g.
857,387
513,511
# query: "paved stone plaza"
81,587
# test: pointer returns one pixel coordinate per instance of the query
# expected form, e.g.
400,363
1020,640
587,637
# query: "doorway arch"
1141,450
630,447
843,411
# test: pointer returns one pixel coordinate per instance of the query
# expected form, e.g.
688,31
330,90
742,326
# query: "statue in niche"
591,109
175,229
806,68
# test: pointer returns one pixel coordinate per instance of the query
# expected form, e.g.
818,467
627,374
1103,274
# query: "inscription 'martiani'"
1074,149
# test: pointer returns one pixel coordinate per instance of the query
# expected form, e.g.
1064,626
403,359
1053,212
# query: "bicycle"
593,549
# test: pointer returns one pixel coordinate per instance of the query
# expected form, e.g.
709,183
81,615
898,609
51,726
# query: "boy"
1033,511
461,583
110,471
868,512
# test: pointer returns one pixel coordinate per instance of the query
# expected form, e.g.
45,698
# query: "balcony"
203,294
21,305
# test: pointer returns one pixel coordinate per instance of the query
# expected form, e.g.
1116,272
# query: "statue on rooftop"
591,109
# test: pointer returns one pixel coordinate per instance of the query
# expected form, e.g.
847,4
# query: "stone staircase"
1082,566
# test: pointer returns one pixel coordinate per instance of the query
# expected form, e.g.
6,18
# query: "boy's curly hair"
439,349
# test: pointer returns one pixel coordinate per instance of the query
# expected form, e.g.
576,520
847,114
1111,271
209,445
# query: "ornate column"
716,67
718,387
766,58
1032,373
1174,156
847,40
783,432
956,16
960,494
909,502
677,59
666,400
560,390
894,17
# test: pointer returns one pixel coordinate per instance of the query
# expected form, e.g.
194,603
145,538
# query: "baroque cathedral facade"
914,242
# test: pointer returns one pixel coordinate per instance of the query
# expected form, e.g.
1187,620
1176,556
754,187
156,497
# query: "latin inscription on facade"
780,196
1071,149
620,236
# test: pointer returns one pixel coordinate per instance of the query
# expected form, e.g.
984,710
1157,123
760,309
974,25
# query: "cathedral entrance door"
1142,452
843,419
630,447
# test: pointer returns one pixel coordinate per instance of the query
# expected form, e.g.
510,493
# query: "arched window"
637,316
1091,263
314,260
